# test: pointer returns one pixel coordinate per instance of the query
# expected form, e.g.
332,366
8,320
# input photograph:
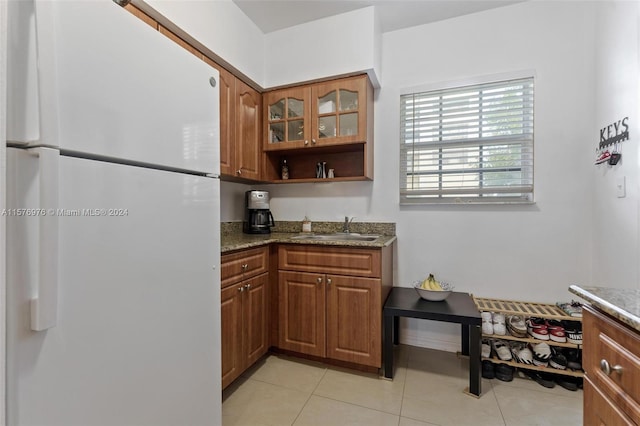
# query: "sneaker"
543,379
557,360
604,157
504,372
488,370
522,353
574,358
501,348
568,382
537,328
487,324
517,326
541,354
486,349
499,326
573,331
556,331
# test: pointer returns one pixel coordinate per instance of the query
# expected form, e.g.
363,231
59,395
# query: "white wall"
527,252
222,27
336,45
615,254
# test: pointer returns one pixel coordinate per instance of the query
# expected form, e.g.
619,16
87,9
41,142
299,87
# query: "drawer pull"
319,280
607,369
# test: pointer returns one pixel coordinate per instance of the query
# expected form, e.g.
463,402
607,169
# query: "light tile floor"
427,390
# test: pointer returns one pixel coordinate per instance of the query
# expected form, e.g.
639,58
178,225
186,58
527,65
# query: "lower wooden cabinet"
302,312
245,305
600,410
331,315
245,323
611,361
354,315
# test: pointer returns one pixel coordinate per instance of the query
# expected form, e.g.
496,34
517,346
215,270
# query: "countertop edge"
249,241
615,311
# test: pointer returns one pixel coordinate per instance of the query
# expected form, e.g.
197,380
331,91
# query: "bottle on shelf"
285,170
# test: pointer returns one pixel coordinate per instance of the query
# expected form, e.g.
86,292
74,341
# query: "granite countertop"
232,237
622,304
240,241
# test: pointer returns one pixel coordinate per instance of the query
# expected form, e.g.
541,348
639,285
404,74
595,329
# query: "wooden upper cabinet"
240,127
330,123
248,131
227,86
180,42
340,111
287,117
141,15
322,114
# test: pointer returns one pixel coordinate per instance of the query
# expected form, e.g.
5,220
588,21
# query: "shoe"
486,349
567,382
487,324
573,331
543,379
504,372
541,354
501,349
488,370
537,328
604,157
517,326
574,358
499,326
521,353
556,331
557,360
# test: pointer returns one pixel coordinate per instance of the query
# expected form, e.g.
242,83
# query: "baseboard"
424,340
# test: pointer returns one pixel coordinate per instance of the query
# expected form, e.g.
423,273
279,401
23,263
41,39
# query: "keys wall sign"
614,133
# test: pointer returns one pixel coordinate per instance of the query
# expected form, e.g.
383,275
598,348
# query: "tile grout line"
309,397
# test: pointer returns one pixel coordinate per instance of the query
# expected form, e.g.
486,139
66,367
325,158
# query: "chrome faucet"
347,222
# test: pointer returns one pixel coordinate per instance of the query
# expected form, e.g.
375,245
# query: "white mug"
330,175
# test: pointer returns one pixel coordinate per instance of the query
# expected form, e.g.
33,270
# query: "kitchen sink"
337,237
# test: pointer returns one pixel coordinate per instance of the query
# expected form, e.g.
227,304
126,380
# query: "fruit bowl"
434,295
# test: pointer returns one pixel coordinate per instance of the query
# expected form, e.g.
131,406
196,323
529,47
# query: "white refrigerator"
113,285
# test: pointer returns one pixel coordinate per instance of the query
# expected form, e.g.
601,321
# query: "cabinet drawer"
608,341
599,411
243,264
330,260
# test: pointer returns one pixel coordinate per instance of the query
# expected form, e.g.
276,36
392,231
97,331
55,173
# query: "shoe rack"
526,310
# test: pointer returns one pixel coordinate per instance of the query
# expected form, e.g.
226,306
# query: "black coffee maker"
257,217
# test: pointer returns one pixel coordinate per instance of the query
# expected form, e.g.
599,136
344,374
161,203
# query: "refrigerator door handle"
44,304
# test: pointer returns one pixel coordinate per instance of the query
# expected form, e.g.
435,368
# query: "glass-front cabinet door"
340,113
287,118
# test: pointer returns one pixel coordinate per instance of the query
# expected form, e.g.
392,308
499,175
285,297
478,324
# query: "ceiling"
273,15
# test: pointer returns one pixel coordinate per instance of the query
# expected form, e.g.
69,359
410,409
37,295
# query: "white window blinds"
470,144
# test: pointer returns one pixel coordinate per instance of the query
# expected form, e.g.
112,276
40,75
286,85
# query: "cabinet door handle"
328,281
241,289
319,280
245,266
248,286
608,369
313,141
306,142
239,172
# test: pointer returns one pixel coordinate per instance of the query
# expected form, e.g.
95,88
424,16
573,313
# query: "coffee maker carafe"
258,217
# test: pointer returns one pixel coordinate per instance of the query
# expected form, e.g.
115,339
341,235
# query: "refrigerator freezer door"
138,332
124,90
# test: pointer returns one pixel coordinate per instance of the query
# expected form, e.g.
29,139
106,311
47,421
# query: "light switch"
620,187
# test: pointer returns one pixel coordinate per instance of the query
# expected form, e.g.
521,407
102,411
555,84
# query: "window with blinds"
471,144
